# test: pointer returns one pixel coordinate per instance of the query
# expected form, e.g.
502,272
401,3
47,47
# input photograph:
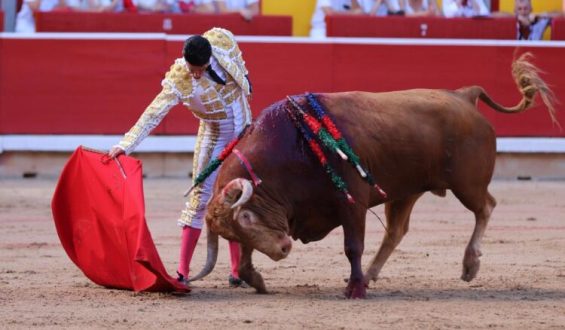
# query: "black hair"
197,50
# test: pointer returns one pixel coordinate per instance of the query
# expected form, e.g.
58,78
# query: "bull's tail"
528,81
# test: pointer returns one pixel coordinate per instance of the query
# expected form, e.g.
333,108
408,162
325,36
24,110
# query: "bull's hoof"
262,290
471,264
367,280
356,291
470,270
259,287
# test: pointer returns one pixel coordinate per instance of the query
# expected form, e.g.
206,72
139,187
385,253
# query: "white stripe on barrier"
83,36
185,143
294,40
65,143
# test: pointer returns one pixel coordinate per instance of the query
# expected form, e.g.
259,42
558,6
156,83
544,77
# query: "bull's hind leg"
397,219
481,204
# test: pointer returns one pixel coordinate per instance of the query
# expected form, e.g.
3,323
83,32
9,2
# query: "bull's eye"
245,219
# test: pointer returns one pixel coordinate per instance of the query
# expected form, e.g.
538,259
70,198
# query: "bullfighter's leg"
481,205
397,218
354,242
248,273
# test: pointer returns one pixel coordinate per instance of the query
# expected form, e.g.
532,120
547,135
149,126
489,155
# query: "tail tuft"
527,78
529,83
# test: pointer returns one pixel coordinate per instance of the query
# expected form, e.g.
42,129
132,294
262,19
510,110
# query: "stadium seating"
162,23
1,21
421,27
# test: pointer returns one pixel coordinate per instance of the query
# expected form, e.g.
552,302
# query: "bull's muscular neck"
274,206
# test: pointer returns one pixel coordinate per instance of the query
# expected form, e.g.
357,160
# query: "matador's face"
196,71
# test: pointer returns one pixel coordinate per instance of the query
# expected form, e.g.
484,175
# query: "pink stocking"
234,257
188,244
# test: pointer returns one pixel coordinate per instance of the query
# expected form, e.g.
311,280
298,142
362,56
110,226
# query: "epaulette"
221,38
180,78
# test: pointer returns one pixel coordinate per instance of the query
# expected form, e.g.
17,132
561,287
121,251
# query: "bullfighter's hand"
115,152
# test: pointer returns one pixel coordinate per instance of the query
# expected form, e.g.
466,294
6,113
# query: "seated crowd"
25,21
530,26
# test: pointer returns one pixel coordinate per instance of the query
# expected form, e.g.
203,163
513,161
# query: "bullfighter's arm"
150,118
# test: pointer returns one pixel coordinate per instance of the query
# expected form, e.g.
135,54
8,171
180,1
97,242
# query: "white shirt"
24,20
238,4
409,10
386,5
318,22
450,9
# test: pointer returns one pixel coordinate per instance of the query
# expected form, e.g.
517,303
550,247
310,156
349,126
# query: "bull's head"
237,215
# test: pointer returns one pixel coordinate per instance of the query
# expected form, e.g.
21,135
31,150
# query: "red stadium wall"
57,21
99,84
558,29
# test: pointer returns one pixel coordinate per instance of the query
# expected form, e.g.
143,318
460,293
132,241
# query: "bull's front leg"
248,273
354,237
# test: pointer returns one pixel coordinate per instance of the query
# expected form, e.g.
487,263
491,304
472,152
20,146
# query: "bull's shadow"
427,294
311,292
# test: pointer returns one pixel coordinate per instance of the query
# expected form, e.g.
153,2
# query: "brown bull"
411,141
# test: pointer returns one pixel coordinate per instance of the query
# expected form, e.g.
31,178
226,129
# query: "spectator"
193,6
422,8
328,7
246,8
382,7
529,25
158,6
104,5
465,8
24,19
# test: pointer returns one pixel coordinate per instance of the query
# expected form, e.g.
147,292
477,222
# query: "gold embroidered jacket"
206,99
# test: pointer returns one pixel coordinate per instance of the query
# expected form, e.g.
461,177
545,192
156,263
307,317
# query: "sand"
521,284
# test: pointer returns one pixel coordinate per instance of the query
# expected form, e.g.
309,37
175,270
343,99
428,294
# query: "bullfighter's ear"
246,218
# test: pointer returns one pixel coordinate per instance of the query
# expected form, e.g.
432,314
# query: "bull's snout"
286,246
277,248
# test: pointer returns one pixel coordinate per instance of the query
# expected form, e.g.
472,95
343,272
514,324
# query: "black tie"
215,76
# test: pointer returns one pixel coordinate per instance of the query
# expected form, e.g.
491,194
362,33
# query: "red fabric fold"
99,213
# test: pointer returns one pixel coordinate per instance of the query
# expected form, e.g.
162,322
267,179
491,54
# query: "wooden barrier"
100,84
163,23
421,27
558,29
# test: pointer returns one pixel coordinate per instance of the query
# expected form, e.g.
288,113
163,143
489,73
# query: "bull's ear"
236,192
245,218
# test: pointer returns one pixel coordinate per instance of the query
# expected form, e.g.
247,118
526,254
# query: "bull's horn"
235,185
211,258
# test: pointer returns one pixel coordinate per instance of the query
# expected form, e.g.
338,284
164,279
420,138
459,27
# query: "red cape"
99,212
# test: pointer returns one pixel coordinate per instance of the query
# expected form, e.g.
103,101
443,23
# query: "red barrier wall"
558,29
495,5
1,21
421,27
94,86
164,23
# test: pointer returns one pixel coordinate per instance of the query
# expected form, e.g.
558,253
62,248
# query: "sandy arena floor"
521,284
